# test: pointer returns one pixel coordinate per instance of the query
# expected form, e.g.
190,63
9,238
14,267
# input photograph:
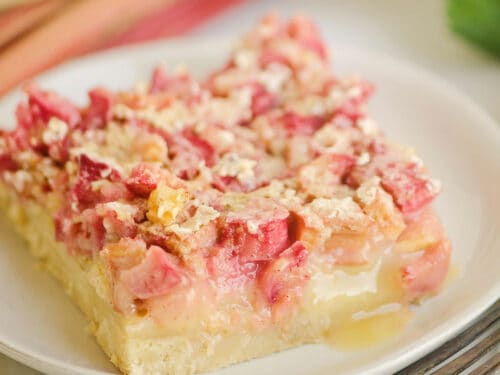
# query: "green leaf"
478,21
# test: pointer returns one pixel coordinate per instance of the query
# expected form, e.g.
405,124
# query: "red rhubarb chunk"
265,242
99,110
269,56
352,108
187,150
86,236
340,164
305,32
90,171
157,274
143,179
426,274
176,85
296,124
7,163
410,191
45,104
203,148
229,183
159,80
285,275
262,100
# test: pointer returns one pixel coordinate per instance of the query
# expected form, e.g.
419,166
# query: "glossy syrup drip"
372,310
365,329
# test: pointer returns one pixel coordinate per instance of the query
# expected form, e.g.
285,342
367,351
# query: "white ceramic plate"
41,328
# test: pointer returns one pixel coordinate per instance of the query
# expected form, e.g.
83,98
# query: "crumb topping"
235,177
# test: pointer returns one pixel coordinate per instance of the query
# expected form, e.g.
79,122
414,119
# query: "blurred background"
458,40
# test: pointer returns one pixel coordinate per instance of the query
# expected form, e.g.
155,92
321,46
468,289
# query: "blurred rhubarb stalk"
19,19
81,26
5,4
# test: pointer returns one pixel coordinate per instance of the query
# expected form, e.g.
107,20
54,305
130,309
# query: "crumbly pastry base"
134,353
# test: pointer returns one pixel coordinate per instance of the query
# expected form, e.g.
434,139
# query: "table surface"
414,31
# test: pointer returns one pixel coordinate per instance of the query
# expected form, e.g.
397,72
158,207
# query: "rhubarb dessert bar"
200,223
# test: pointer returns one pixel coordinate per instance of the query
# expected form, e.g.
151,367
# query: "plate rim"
399,359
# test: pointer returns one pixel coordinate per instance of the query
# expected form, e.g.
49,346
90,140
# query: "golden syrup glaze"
377,326
364,329
377,315
366,303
